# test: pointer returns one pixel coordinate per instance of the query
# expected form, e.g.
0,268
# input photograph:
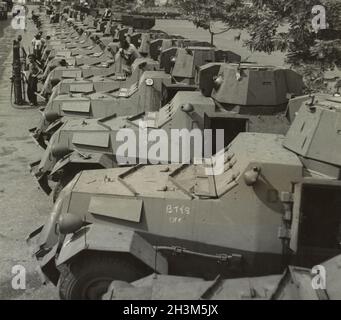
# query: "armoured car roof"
191,181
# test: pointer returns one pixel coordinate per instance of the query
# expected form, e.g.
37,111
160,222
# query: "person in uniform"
37,45
32,80
23,54
107,15
113,47
42,39
47,79
128,52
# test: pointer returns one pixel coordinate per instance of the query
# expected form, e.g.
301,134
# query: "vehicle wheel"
88,278
61,184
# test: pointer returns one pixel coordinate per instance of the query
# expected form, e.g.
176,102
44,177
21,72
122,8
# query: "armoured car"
93,143
85,104
274,200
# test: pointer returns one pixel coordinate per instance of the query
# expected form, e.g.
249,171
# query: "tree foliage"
287,26
203,13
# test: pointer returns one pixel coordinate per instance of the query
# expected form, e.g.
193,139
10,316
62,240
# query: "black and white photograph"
170,150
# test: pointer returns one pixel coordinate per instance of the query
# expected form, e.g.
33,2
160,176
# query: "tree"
204,13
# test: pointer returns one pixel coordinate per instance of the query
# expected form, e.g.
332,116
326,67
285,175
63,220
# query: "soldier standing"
107,15
37,45
32,80
23,54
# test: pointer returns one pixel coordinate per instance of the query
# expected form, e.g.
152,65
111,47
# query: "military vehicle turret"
274,200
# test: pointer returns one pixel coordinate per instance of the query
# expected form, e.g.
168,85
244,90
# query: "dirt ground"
23,207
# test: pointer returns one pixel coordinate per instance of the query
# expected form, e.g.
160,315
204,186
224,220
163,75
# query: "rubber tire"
75,276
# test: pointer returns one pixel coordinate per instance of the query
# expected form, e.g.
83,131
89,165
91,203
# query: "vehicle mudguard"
97,237
41,178
101,160
52,127
46,269
61,164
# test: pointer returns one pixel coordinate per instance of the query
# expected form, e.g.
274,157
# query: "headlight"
69,223
149,82
51,116
59,151
187,107
251,176
54,82
48,237
218,82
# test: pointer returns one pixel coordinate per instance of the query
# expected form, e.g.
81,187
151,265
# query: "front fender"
42,177
82,162
51,128
37,133
42,168
96,237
